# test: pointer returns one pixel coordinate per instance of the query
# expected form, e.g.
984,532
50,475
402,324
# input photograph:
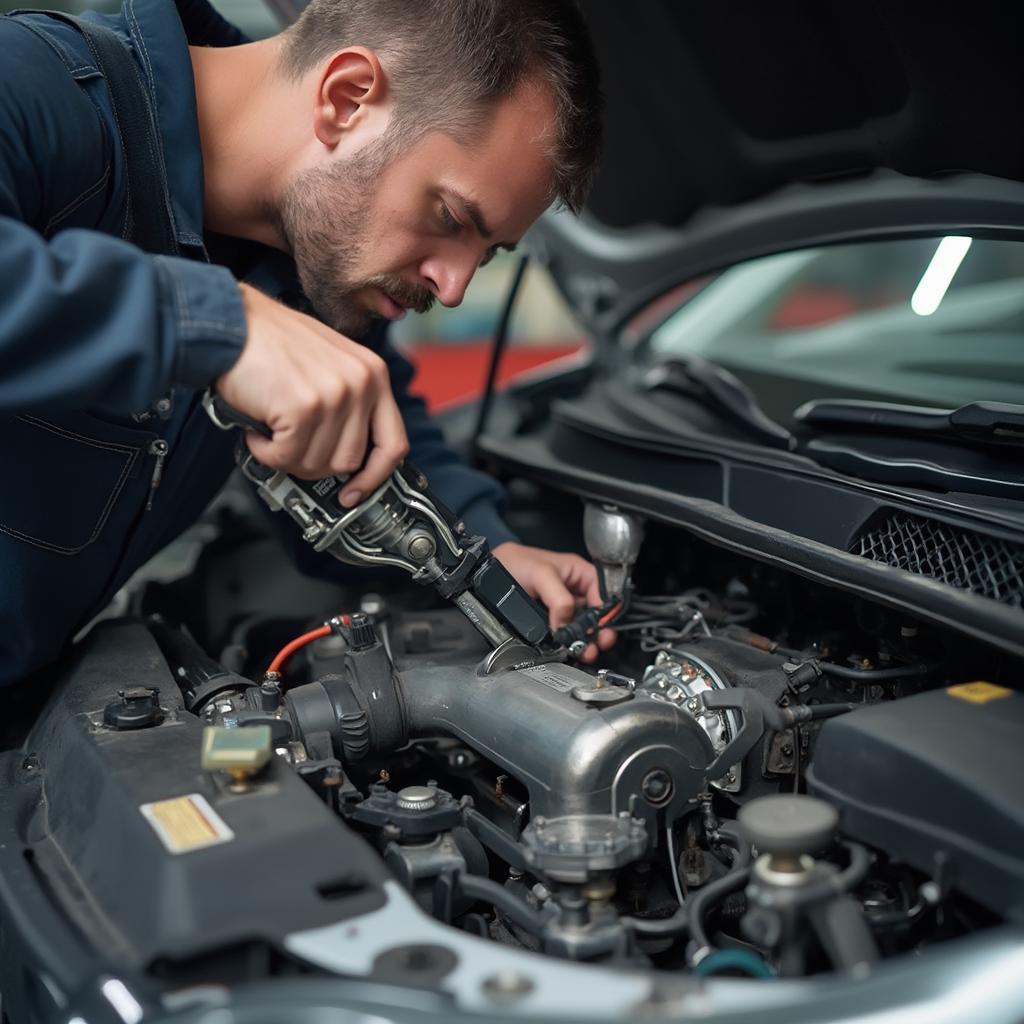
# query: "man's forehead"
503,182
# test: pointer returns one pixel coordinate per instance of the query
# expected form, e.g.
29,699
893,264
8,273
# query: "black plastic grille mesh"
971,561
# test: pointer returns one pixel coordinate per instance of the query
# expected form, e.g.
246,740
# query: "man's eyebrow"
475,214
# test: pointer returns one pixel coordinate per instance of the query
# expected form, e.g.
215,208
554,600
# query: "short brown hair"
450,61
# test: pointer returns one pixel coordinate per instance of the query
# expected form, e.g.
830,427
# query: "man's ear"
351,81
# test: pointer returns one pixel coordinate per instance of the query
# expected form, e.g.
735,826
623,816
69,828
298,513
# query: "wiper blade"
996,423
711,384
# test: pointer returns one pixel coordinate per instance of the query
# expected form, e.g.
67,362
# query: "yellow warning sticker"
978,693
187,823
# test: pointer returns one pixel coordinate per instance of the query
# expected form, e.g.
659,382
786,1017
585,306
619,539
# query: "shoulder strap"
149,218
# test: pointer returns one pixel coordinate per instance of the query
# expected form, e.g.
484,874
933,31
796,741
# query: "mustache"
421,300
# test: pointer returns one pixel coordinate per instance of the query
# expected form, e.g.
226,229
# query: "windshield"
935,321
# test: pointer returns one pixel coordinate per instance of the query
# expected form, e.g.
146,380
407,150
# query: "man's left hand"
563,582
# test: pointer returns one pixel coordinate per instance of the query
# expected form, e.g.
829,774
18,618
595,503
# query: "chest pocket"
62,476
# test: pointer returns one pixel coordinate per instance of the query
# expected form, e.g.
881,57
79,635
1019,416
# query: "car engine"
763,778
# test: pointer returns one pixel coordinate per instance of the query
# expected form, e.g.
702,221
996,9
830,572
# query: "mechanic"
249,215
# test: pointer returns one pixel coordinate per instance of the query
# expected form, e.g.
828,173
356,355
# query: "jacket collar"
161,31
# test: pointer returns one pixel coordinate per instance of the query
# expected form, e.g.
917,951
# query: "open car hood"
735,131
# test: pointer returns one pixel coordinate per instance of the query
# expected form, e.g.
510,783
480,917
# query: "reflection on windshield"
939,274
926,321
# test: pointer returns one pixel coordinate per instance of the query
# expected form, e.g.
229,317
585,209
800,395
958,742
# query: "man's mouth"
389,307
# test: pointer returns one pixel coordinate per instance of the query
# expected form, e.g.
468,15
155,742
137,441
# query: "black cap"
137,708
789,825
363,635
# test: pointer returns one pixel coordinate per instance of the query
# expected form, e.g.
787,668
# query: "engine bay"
763,778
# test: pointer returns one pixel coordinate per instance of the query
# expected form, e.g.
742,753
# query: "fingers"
555,595
323,395
390,446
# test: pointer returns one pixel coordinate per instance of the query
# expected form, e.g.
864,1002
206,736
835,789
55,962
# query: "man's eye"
491,253
449,222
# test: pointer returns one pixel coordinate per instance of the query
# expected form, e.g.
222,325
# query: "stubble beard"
325,220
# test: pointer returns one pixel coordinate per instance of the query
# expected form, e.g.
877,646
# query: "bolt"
693,704
661,658
421,548
540,823
460,528
385,775
730,777
675,671
602,679
508,985
657,786
163,405
577,647
421,482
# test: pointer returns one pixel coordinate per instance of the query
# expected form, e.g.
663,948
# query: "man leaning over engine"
253,224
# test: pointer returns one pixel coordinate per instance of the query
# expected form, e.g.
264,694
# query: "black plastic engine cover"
935,776
80,857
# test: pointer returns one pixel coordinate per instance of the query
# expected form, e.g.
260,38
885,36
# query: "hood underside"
737,130
717,104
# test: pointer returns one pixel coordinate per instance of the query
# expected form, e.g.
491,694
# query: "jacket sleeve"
88,320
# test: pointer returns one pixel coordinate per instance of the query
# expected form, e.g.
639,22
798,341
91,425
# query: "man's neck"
247,129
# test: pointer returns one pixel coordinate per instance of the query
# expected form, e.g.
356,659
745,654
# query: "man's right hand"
326,398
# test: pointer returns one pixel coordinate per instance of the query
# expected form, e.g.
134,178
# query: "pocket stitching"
64,432
131,454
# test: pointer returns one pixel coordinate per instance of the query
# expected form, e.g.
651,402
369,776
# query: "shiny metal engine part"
643,757
680,678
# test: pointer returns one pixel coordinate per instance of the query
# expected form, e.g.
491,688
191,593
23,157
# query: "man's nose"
449,276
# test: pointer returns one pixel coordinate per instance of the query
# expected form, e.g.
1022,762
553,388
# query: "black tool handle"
227,416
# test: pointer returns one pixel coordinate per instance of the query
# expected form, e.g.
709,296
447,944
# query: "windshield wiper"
711,384
995,423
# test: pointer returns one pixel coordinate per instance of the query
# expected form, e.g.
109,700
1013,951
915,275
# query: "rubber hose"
845,881
873,675
732,835
658,927
703,900
507,903
733,959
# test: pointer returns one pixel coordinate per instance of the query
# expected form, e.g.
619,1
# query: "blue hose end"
744,960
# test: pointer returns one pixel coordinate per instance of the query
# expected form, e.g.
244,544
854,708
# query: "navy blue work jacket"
104,349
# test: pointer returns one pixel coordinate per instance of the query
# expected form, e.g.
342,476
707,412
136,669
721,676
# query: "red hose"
299,642
609,616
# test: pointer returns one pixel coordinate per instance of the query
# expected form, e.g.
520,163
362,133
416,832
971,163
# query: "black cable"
501,335
702,901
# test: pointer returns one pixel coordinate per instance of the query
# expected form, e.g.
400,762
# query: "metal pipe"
485,621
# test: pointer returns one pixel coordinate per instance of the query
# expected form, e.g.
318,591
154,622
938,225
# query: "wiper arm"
713,385
997,423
